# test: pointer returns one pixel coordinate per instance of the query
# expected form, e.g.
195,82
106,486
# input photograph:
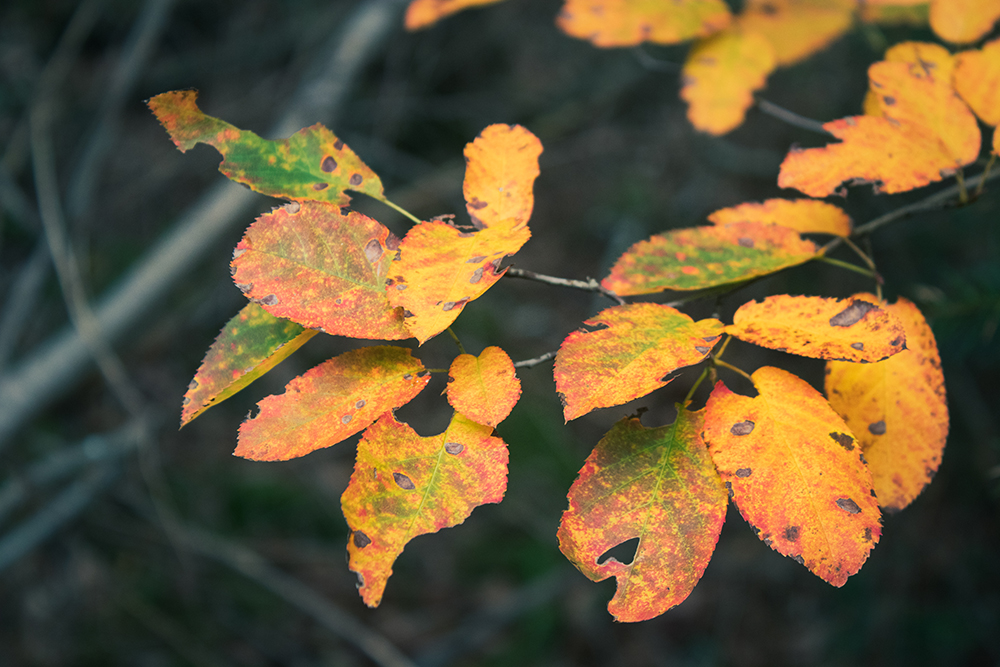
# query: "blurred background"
124,541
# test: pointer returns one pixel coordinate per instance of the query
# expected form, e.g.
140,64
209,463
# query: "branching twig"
528,363
588,285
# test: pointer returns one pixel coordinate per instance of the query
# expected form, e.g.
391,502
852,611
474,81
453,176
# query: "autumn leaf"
405,485
442,268
720,75
315,265
963,21
803,215
924,134
485,388
501,168
924,58
251,344
797,28
977,81
897,408
609,23
331,402
812,326
794,471
655,484
896,12
699,257
626,352
423,13
312,164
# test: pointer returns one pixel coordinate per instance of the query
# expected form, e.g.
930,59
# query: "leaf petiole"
401,210
740,371
986,172
454,336
847,265
697,383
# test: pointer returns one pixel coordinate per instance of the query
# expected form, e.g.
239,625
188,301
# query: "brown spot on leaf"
744,472
476,276
451,305
454,447
346,419
868,535
478,203
244,287
356,179
360,404
361,540
888,99
852,314
329,164
858,346
844,440
792,533
269,300
407,377
373,251
701,349
848,505
338,144
742,428
745,241
877,428
476,259
392,242
562,399
799,559
729,489
403,482
320,186
293,207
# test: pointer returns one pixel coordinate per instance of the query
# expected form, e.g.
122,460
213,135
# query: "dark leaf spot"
185,401
742,428
451,305
868,535
588,327
477,203
792,533
269,300
346,419
356,179
338,301
701,349
293,207
407,377
768,541
709,339
403,481
744,472
476,276
562,399
863,459
476,259
454,447
361,540
245,287
320,186
373,250
338,144
329,164
896,341
392,242
888,99
848,505
746,241
844,440
407,313
858,346
624,553
729,489
877,428
852,314
799,559
360,404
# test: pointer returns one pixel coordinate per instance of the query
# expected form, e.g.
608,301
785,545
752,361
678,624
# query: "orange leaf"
700,257
925,58
803,215
485,388
331,402
897,408
793,471
422,13
626,352
442,268
316,266
977,80
963,21
251,344
813,326
655,484
797,28
720,75
925,133
405,485
501,166
608,23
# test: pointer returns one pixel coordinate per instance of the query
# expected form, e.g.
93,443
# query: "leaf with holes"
442,268
423,13
485,388
806,216
977,80
609,23
933,59
331,402
501,166
655,484
793,469
626,352
963,21
405,485
251,344
897,408
819,327
924,133
312,164
316,266
720,76
700,257
797,28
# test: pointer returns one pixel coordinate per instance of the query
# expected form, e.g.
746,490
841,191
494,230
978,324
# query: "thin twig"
22,300
528,363
792,118
588,285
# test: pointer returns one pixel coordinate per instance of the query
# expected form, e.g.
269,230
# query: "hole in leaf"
624,553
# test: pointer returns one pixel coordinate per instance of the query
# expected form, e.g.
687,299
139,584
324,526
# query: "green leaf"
251,344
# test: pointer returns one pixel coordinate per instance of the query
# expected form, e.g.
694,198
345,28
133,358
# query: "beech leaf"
823,328
655,484
806,216
423,13
626,352
700,257
609,23
312,164
794,471
252,343
405,485
897,408
963,21
797,28
485,388
977,80
501,168
331,402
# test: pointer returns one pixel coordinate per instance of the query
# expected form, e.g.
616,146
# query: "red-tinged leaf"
501,166
924,134
977,80
794,472
251,344
485,388
331,402
626,352
812,326
423,13
897,408
806,216
720,76
655,484
442,268
312,164
963,21
316,266
700,257
405,485
797,28
609,23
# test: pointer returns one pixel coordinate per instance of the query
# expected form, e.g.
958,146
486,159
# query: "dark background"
126,542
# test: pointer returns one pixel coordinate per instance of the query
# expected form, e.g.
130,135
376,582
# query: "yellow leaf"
897,408
422,13
924,58
501,168
803,215
899,12
963,21
977,80
608,23
484,388
797,28
720,76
